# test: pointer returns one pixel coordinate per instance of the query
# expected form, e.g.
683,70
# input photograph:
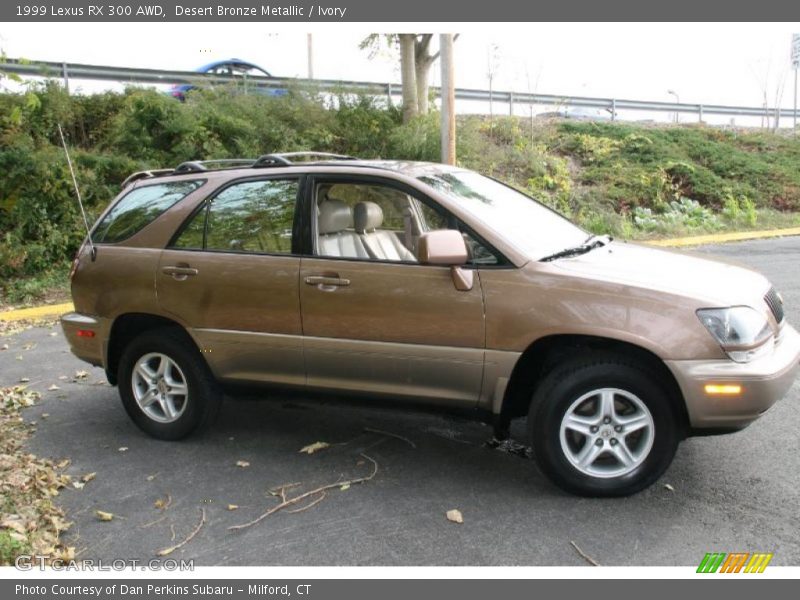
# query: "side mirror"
446,247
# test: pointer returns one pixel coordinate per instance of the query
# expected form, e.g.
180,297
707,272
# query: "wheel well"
546,352
128,326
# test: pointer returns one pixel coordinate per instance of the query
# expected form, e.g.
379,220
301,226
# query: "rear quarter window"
138,208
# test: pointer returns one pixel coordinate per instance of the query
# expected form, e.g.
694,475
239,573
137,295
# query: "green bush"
623,179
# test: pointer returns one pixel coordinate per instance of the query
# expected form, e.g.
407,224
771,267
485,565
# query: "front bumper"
763,382
86,336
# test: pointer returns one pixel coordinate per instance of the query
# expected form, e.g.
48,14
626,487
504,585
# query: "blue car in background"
240,70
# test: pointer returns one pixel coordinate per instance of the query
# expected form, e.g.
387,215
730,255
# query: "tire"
582,445
166,386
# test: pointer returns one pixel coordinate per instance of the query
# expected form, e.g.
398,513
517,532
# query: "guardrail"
67,71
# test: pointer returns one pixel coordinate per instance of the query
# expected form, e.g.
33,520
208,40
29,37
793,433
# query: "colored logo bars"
734,562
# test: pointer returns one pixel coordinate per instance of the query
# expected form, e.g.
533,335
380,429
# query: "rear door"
231,277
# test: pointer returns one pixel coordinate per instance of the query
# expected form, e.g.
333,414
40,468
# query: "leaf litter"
28,484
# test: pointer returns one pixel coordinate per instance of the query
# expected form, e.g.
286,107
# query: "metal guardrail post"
701,113
65,75
389,94
511,104
613,109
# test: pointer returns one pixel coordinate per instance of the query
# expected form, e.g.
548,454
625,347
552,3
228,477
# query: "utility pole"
795,66
310,56
448,99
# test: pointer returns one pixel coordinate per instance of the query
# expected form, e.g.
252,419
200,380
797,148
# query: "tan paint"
405,330
233,298
414,305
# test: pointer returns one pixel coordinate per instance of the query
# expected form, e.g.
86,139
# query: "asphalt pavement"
727,493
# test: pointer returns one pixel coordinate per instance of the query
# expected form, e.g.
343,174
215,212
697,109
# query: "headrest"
334,216
367,216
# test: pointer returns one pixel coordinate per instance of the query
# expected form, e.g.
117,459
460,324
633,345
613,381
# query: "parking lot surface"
729,493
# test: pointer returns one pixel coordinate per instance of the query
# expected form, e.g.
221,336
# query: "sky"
702,63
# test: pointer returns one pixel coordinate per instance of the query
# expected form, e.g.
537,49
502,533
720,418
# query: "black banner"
365,11
731,588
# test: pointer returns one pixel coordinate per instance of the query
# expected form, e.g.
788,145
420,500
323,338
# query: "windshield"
528,225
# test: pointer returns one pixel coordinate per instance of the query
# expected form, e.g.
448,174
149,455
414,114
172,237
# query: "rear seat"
381,245
334,239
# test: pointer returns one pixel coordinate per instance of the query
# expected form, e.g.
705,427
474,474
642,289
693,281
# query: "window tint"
254,216
138,208
192,236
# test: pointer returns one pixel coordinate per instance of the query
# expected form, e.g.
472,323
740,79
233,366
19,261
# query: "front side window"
252,216
379,222
140,207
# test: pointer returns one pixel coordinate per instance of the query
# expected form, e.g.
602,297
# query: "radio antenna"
78,194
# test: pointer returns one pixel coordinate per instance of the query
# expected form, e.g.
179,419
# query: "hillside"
633,181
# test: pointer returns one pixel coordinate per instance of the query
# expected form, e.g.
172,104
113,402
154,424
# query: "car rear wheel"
602,427
165,385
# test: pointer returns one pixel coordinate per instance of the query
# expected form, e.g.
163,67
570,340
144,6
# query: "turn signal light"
714,389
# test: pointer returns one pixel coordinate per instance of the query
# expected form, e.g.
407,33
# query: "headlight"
740,330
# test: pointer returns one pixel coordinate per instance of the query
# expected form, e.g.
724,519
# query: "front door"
374,319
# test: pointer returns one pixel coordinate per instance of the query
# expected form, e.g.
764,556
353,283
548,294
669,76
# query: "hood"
712,282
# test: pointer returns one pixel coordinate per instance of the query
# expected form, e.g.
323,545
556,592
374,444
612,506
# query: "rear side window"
253,216
138,208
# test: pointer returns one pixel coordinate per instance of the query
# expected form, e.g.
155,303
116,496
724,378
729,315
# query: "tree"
416,60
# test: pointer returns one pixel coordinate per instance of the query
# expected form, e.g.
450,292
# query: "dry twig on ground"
390,434
585,556
189,538
285,502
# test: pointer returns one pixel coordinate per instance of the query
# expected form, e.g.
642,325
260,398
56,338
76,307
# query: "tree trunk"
422,70
423,60
408,76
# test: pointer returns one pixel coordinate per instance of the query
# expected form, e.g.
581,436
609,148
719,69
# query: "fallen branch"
307,506
172,549
390,434
281,490
585,556
151,523
299,498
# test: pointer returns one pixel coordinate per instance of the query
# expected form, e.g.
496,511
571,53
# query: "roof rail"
144,175
285,159
196,166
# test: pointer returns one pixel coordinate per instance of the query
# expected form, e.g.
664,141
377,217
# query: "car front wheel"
602,427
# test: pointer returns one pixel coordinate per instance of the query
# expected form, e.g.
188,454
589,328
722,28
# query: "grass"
643,181
49,287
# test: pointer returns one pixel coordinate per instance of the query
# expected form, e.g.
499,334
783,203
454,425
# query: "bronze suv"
407,281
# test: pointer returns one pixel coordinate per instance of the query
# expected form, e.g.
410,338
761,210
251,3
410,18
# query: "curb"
37,312
719,238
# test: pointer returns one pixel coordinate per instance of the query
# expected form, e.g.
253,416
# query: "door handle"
327,283
180,272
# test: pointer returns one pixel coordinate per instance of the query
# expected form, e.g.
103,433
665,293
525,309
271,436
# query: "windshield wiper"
588,245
